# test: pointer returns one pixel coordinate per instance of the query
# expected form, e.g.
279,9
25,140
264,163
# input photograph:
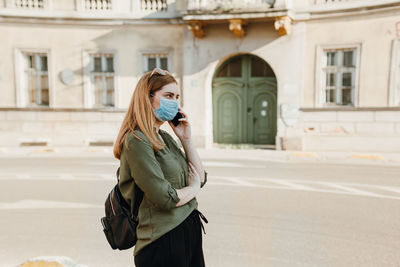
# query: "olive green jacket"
158,175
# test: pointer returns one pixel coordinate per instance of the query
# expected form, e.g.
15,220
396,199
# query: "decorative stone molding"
236,25
289,114
283,25
67,76
197,27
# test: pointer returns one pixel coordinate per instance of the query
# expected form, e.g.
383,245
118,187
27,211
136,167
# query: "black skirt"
180,247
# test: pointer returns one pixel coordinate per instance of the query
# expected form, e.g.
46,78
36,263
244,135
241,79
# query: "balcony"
91,11
217,6
324,8
236,13
214,10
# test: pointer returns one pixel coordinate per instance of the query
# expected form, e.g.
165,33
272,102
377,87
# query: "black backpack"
119,224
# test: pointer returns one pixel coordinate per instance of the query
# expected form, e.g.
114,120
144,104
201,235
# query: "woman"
169,229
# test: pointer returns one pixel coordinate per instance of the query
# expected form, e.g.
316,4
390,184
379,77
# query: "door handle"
254,119
248,110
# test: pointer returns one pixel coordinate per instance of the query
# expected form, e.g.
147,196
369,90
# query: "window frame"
19,73
394,80
320,74
171,68
144,56
88,85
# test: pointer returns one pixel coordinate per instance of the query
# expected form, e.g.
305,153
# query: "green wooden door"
244,102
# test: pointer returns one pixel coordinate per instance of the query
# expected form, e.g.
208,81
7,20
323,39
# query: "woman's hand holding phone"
183,129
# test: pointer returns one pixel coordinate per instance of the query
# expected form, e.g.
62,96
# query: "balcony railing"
153,5
98,5
210,5
29,4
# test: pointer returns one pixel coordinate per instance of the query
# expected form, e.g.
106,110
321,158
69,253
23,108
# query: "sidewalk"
290,156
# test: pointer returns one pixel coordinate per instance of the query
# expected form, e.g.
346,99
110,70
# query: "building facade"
305,75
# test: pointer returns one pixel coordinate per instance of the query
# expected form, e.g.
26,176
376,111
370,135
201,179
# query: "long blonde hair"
140,113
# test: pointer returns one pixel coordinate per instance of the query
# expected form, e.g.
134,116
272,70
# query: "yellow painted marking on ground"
367,156
41,264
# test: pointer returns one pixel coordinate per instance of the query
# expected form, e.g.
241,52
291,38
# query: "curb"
289,156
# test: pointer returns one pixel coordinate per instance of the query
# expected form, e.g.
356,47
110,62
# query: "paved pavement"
261,212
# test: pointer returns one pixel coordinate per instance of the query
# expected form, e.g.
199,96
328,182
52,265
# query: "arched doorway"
244,97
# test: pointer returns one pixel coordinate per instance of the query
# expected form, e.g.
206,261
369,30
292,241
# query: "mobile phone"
176,118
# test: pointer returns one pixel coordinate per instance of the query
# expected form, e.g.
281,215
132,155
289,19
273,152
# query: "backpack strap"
117,174
138,196
138,199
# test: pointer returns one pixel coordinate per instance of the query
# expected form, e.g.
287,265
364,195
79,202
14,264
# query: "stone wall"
357,130
58,128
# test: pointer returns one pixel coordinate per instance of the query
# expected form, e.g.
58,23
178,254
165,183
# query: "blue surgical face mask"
167,110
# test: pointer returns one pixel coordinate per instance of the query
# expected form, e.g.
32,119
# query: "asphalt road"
260,213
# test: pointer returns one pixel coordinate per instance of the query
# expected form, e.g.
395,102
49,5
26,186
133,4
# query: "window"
231,69
155,60
35,82
102,80
337,76
259,68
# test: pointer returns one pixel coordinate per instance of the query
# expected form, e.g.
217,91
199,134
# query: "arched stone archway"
244,93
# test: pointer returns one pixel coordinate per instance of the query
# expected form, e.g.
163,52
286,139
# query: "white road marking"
259,182
238,181
295,186
230,164
108,176
23,176
60,176
103,163
253,185
350,189
390,188
66,176
312,186
44,204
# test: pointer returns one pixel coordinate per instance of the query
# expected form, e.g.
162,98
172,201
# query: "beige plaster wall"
375,33
67,43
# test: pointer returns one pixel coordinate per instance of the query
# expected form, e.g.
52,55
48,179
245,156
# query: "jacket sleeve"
184,155
147,173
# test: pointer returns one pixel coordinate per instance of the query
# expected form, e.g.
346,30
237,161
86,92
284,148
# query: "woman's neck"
157,125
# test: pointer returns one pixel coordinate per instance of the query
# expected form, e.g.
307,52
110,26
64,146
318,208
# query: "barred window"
339,71
35,80
155,60
102,78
